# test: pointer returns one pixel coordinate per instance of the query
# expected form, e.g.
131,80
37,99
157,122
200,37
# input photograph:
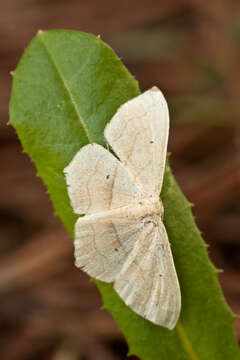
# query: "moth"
122,238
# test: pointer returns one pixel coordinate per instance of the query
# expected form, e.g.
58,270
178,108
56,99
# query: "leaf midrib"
66,87
186,342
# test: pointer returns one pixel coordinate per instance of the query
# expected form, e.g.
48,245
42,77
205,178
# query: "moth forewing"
138,134
97,181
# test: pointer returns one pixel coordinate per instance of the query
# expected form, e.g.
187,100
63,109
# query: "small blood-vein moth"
122,238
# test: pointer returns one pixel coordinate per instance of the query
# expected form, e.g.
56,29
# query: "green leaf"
66,88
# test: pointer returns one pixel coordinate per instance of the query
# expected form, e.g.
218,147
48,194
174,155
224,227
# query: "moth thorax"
152,207
156,206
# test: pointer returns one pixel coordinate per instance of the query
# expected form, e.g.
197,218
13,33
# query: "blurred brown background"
191,50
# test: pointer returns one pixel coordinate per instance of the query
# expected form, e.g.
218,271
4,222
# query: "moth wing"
97,181
138,134
148,281
103,242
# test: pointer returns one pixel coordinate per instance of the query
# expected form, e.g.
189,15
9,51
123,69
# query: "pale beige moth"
122,238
